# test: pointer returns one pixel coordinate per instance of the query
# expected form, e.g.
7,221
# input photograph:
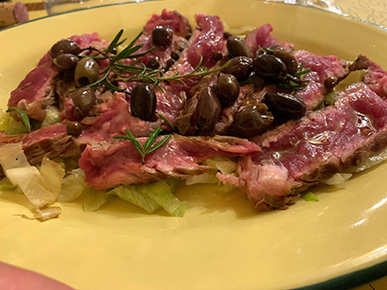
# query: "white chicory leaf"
53,174
72,186
52,116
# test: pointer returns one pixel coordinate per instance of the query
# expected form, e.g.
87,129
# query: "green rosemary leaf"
158,145
23,115
121,42
126,52
114,42
142,53
300,73
173,127
147,148
293,87
134,40
135,142
113,87
152,138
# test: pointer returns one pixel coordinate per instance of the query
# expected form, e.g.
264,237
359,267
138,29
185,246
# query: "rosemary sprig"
173,127
295,81
117,70
155,76
149,145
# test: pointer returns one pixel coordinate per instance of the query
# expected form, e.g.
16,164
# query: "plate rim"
352,279
136,2
347,281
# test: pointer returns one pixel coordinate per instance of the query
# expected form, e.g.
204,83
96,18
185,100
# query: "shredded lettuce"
25,176
10,126
32,184
338,179
6,184
94,199
224,165
72,186
309,196
53,174
207,177
52,116
153,196
12,156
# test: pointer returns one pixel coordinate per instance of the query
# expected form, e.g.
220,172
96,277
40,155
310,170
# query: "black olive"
64,46
285,106
217,55
175,55
238,47
66,61
228,89
240,67
207,111
86,72
143,102
74,128
84,100
188,35
249,122
170,63
288,58
162,36
270,67
226,35
330,83
153,63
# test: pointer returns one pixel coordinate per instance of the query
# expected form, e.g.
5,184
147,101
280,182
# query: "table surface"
374,11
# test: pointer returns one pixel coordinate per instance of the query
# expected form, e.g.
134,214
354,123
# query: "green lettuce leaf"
309,196
94,199
5,184
153,196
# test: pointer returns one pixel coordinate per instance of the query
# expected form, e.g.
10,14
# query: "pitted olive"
143,102
249,122
64,46
238,47
217,55
84,100
74,128
162,36
207,111
288,58
175,55
228,89
269,67
240,67
86,72
330,83
153,63
66,61
285,106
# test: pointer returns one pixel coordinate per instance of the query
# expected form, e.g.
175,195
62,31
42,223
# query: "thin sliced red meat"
300,154
107,165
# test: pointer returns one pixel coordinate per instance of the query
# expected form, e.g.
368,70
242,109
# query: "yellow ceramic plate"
220,243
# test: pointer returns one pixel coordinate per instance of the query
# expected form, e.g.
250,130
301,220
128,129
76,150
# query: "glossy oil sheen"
220,243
